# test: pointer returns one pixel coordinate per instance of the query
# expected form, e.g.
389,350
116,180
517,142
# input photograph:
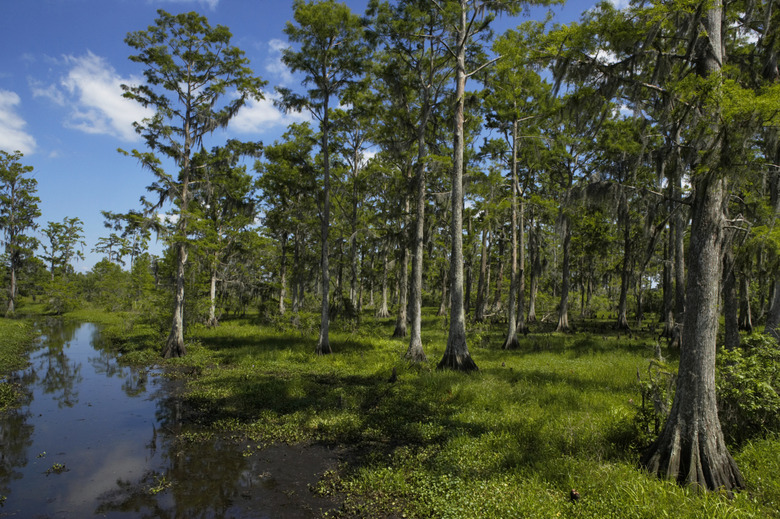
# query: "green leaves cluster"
748,385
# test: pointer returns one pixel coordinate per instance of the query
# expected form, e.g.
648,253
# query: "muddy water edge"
93,437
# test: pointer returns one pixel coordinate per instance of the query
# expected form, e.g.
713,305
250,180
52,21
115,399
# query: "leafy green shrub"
748,382
61,296
657,393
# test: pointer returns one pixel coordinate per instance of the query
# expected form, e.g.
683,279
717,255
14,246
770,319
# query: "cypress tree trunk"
174,346
730,300
625,275
212,321
383,311
323,343
415,352
536,271
10,311
496,305
680,222
563,310
297,284
745,319
443,303
283,275
400,322
469,268
521,326
482,282
691,448
456,355
511,337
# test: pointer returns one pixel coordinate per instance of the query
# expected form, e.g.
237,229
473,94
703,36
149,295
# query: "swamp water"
97,439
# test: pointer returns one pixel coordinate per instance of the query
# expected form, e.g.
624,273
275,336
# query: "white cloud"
274,65
92,89
619,4
12,134
261,116
211,4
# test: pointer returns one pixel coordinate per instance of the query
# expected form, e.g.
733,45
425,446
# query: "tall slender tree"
331,56
513,99
18,212
189,67
468,21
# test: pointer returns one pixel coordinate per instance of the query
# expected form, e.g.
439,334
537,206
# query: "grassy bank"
16,337
511,440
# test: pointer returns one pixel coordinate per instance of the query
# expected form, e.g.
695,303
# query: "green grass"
16,337
510,440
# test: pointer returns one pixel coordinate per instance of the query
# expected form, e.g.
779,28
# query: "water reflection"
116,429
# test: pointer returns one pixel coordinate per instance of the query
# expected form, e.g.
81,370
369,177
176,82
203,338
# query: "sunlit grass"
510,440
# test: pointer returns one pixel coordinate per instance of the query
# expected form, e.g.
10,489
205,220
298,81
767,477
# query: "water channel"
94,438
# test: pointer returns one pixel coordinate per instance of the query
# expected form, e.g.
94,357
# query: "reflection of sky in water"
86,422
109,425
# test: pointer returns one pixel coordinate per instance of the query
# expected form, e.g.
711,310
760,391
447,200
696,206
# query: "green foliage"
108,286
61,295
16,338
657,392
749,389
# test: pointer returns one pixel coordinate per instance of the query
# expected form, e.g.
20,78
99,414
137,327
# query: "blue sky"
60,100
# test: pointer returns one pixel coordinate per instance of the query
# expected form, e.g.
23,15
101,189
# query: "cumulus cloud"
92,90
274,65
12,134
261,116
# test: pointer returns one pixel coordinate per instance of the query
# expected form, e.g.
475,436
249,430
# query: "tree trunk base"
416,354
400,330
511,342
702,461
457,362
174,349
323,348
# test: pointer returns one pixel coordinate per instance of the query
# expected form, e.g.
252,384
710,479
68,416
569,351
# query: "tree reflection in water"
122,434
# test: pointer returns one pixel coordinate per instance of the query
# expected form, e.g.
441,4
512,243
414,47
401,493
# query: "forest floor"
561,412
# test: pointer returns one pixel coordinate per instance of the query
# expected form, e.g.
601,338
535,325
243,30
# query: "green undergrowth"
16,338
510,440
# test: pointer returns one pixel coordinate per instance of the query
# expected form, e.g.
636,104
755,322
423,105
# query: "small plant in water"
161,482
57,468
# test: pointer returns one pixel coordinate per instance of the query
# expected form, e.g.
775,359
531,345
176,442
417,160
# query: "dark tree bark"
691,448
745,317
